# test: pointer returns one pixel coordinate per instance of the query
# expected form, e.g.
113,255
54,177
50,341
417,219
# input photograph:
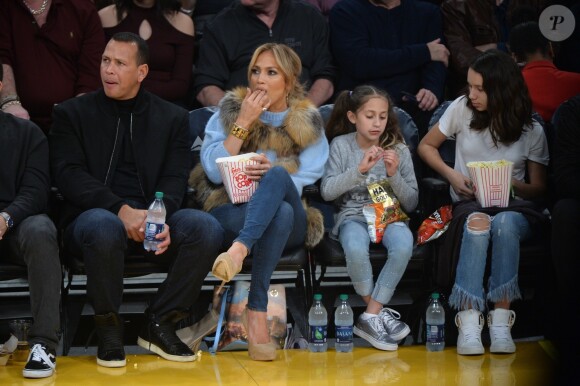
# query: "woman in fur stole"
274,119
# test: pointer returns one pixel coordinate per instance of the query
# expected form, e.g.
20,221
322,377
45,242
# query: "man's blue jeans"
100,239
273,219
506,231
355,241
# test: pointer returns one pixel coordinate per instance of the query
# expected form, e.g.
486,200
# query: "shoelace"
471,332
377,325
502,331
390,317
39,355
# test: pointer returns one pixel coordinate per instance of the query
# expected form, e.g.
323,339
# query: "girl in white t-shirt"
492,121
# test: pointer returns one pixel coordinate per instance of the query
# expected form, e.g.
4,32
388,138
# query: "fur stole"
301,128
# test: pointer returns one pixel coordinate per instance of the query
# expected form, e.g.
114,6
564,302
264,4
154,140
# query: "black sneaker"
41,362
110,352
160,337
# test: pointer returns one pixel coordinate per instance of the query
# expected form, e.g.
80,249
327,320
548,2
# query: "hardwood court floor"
531,365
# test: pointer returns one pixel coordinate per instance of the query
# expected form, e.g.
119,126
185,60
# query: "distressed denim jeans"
506,231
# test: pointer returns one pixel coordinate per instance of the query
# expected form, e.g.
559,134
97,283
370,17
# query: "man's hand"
164,235
18,111
426,100
134,221
438,52
3,228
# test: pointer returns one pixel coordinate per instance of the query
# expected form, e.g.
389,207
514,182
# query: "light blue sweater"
312,159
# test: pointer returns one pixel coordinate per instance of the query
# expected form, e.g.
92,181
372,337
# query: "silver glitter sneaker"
373,331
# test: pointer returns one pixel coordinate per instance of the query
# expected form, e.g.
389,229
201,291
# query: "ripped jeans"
505,231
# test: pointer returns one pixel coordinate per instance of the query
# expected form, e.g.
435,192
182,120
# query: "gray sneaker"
396,329
373,331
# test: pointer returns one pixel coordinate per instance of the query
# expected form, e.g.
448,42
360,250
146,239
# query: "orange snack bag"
434,225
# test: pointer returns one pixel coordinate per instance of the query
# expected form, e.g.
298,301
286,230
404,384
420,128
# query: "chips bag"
434,225
384,210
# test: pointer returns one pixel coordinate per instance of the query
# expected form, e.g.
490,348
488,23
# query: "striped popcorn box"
232,169
492,182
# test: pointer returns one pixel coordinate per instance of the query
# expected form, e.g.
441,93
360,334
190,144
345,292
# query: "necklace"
39,11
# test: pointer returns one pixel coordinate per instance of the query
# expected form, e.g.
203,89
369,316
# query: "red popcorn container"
492,182
232,169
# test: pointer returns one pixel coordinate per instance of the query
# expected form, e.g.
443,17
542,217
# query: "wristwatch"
8,219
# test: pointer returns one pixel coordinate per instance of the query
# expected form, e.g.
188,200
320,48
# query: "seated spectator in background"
565,231
111,150
231,38
27,236
548,86
395,45
274,119
169,35
51,52
492,121
473,26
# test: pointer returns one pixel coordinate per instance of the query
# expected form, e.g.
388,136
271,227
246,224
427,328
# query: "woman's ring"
264,109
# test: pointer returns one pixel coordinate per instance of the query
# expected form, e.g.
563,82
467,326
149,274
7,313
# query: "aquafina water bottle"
318,322
343,321
155,222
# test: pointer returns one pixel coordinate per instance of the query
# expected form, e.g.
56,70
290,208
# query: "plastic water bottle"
435,318
155,222
318,322
343,320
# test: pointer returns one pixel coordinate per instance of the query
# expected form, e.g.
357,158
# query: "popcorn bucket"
492,182
232,169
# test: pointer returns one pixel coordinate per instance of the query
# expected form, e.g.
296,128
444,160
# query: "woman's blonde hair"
290,66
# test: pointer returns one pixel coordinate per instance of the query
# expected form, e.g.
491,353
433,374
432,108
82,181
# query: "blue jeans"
355,241
100,239
506,231
273,219
33,243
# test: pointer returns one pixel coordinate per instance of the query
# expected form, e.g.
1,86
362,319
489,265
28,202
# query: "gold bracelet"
239,132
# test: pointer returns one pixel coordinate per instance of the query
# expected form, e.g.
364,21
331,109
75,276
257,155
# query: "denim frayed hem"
509,291
462,300
363,288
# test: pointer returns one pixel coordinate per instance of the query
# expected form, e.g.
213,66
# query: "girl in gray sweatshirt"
369,159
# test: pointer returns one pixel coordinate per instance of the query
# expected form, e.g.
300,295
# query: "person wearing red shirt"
548,86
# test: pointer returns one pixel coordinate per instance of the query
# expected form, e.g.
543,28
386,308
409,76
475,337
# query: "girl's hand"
370,158
462,185
254,104
255,172
391,159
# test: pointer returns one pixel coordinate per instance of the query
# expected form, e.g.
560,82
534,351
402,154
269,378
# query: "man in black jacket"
27,236
111,150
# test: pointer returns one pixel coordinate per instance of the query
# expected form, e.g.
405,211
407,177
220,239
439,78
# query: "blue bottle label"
152,229
317,334
343,334
435,333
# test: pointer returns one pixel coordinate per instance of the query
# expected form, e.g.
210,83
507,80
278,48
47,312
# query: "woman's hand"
391,159
370,158
255,172
461,184
254,104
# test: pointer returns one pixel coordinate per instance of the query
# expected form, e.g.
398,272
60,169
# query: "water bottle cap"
343,297
434,295
158,194
317,296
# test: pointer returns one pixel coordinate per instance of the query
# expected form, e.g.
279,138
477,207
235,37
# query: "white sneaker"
470,323
500,322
